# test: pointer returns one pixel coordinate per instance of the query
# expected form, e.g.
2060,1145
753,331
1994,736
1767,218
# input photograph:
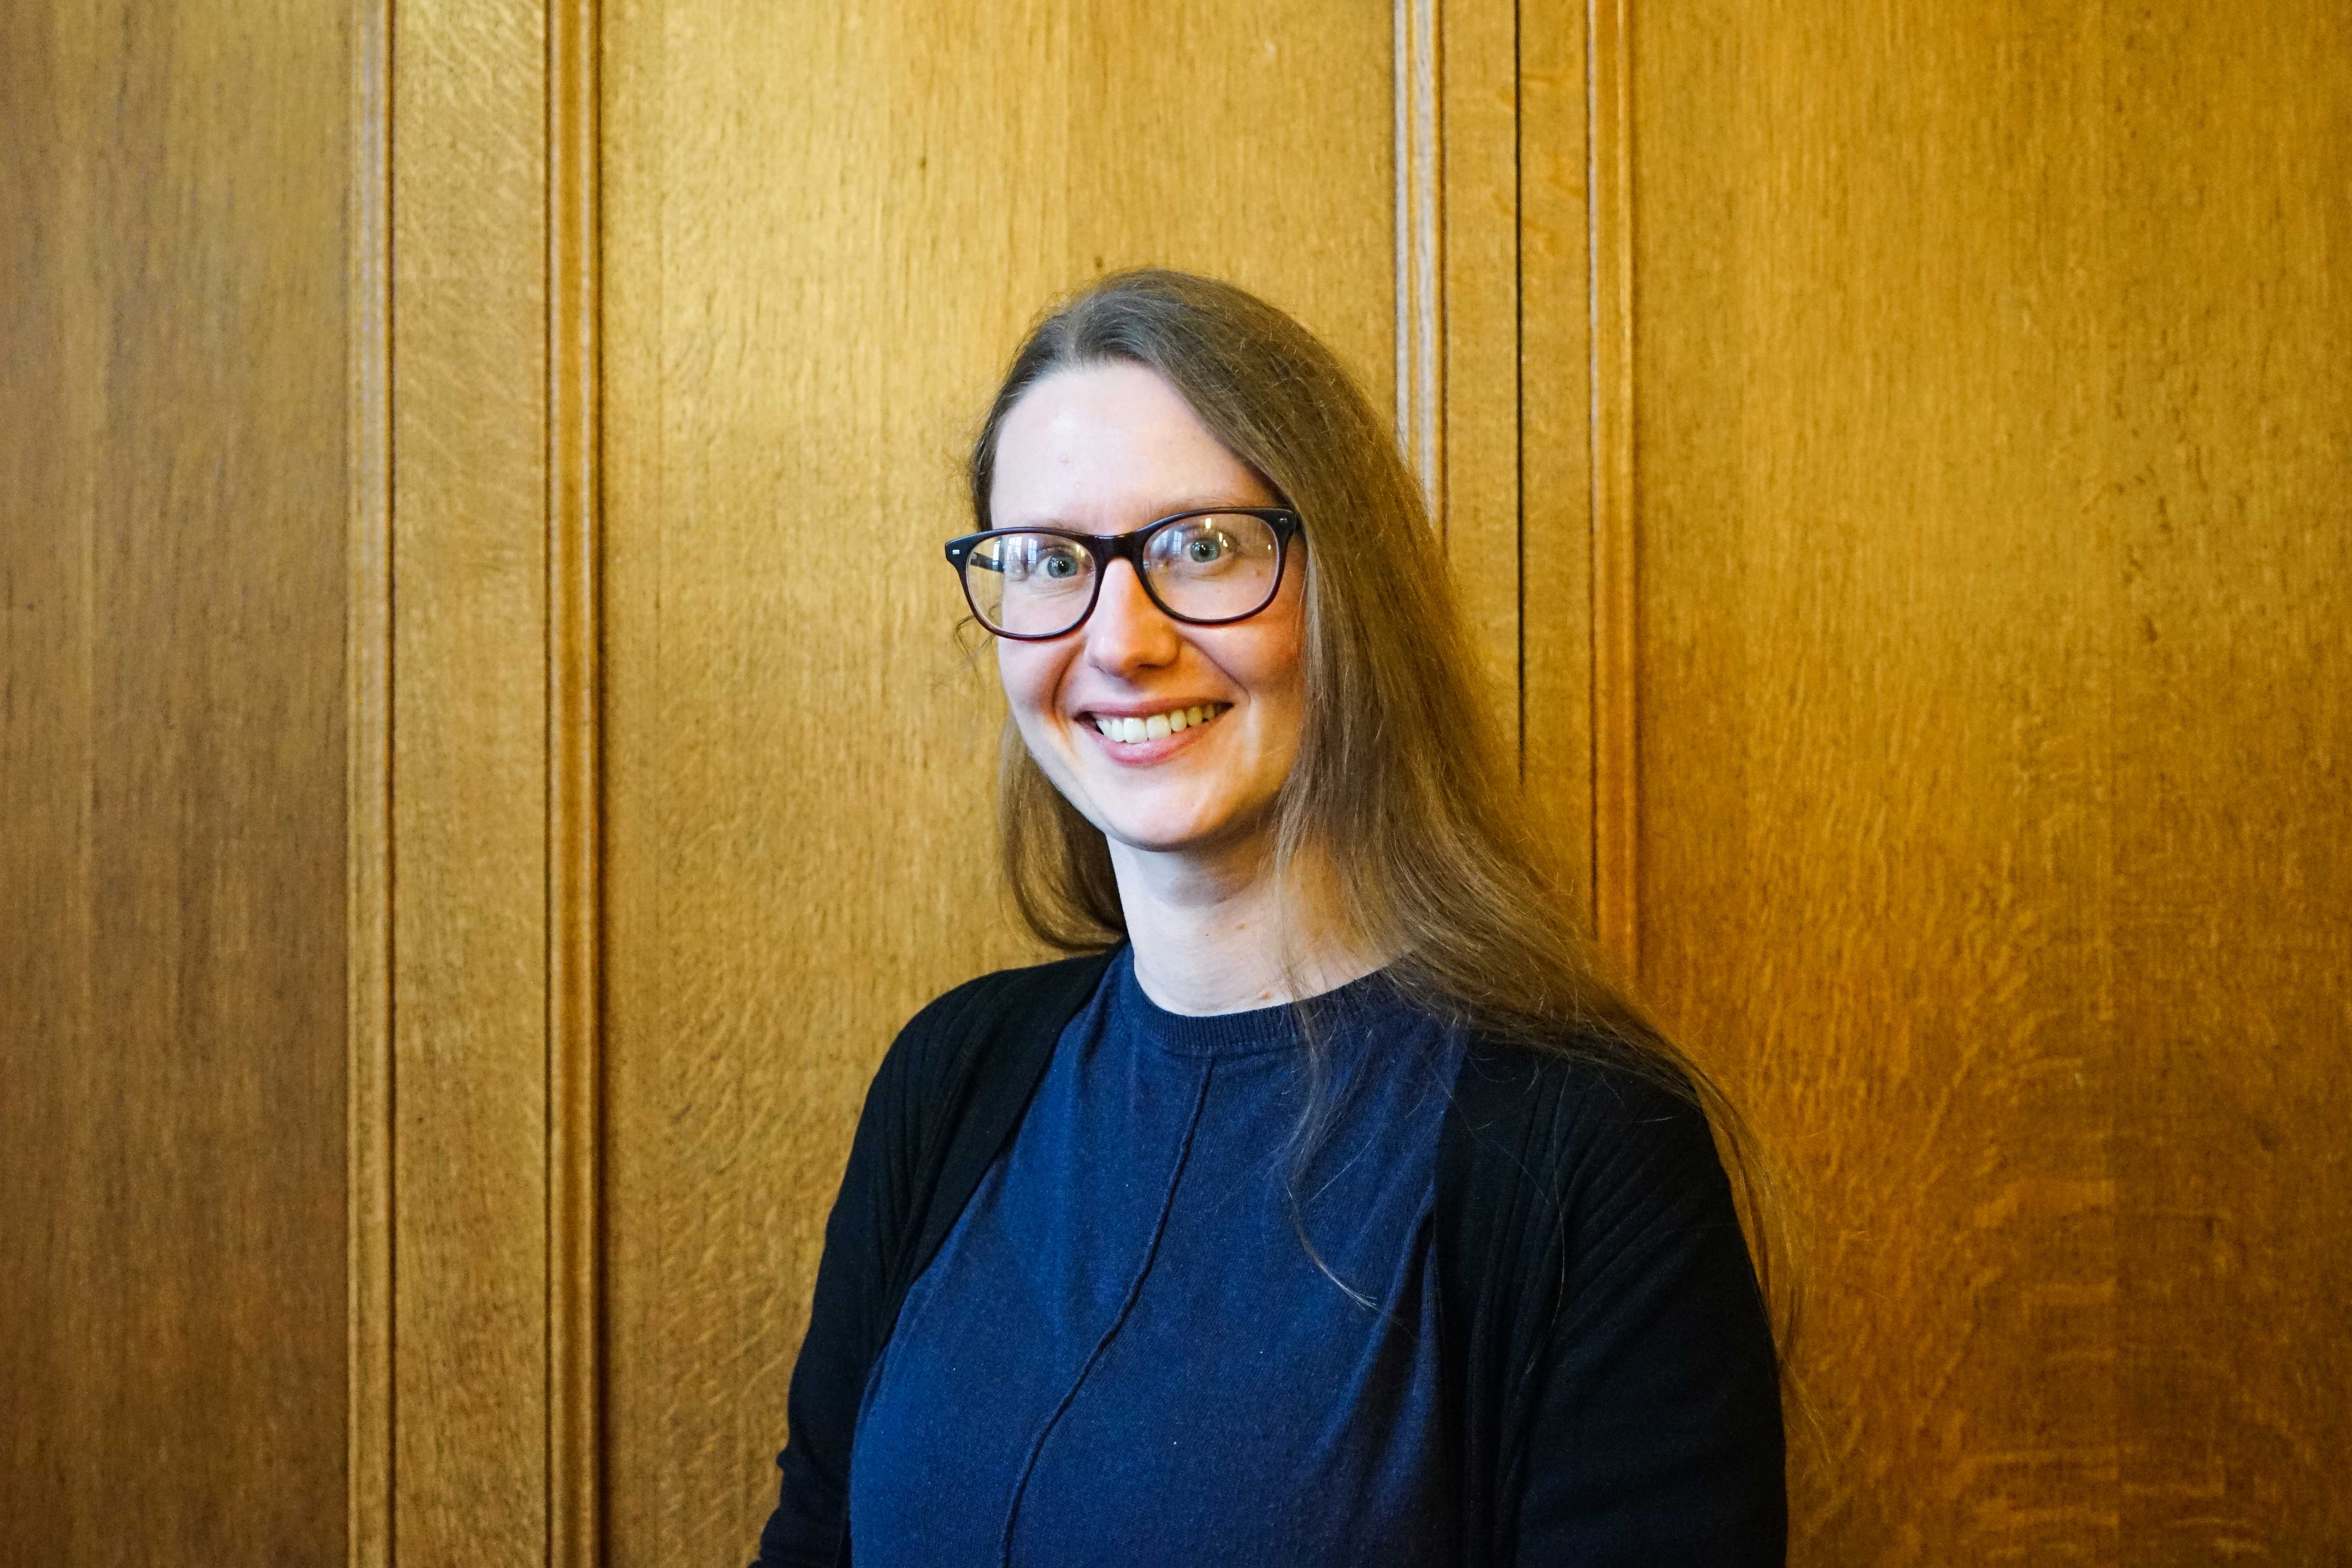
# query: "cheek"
1286,686
1285,629
1030,673
1275,657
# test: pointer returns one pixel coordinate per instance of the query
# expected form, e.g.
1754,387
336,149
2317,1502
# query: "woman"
1327,1209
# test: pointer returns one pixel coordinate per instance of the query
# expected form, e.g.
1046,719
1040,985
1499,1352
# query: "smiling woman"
1327,1209
1113,448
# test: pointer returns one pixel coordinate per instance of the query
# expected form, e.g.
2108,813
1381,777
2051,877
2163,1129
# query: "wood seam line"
1616,824
1519,385
575,922
1420,289
368,873
1401,152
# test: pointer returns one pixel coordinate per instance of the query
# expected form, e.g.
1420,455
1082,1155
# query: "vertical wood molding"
1504,378
1420,214
471,1011
575,803
1478,394
368,673
1616,822
1554,256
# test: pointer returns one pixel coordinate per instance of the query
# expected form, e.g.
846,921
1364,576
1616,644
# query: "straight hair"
1399,784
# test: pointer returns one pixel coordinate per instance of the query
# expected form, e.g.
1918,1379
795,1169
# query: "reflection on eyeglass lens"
1213,566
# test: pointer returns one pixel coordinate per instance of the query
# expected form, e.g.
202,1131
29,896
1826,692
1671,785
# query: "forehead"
1103,448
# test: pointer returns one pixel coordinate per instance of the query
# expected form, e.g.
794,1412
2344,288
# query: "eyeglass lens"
1215,567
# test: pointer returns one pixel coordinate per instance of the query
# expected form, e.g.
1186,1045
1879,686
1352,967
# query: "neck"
1215,931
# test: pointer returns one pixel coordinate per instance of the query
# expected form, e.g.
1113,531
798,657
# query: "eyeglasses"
1203,568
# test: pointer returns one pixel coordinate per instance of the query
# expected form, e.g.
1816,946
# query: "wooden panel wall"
826,228
1895,458
1553,547
2229,462
1513,467
1995,563
470,1252
173,509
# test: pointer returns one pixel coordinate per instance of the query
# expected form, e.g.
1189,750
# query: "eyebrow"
1204,504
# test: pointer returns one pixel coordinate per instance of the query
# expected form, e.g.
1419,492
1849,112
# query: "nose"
1127,633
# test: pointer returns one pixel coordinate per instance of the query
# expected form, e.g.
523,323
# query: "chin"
1178,832
1162,816
1156,832
1161,842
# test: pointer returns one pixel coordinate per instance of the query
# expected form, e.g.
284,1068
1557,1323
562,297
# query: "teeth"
1158,726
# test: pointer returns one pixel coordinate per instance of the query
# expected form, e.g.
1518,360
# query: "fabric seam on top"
1119,1318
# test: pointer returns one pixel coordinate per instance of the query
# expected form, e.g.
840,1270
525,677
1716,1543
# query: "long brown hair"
1399,786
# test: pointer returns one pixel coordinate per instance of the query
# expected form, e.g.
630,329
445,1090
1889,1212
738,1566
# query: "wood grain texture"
1478,248
826,229
1555,436
471,774
368,880
1616,594
1993,574
574,794
173,505
2225,490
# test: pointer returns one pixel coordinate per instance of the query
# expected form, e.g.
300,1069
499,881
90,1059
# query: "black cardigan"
1611,1387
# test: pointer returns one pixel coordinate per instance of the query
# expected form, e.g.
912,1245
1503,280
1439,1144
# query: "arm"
812,1515
1652,1430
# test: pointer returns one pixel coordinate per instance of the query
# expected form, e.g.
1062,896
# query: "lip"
1139,754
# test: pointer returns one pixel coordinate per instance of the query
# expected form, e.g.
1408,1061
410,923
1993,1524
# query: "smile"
1158,726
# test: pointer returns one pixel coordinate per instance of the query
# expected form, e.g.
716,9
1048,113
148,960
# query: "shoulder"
1573,1090
1577,1184
1617,1360
957,1078
1578,1123
1010,993
978,1019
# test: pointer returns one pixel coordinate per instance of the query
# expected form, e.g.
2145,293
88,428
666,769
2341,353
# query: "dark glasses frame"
1128,547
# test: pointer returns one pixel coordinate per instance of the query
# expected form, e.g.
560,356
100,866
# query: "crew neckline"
1251,1032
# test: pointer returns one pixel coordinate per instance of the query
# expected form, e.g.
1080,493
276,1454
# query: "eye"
1196,544
1039,559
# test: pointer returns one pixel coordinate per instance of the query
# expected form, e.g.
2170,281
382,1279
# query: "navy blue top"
1122,1352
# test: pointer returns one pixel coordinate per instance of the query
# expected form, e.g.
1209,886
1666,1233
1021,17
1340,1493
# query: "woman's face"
1106,450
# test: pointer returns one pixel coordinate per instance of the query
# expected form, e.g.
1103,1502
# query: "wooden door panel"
1994,566
827,228
173,503
2229,477
470,1253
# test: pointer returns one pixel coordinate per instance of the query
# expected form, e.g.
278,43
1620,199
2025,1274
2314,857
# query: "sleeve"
870,1212
1654,1430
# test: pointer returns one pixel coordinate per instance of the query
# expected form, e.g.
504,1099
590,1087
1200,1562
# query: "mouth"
1136,730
